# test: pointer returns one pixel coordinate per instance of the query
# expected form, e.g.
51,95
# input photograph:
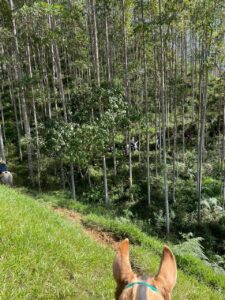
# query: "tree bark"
146,106
97,77
175,123
35,120
72,181
127,93
18,72
203,101
2,144
163,103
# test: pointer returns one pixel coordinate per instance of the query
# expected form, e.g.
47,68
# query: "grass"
195,276
122,228
188,287
189,264
44,256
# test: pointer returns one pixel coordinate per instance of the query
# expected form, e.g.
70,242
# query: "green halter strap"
153,288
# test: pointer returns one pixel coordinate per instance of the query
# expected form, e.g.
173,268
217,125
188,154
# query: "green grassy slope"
195,279
43,256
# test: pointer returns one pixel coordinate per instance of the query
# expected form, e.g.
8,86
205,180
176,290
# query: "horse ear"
122,270
167,275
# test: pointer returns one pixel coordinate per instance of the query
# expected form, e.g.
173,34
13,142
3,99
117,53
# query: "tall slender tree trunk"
97,76
108,57
1,104
57,67
139,146
2,148
62,175
203,101
18,72
157,127
114,153
3,119
223,157
45,81
183,75
146,106
72,181
105,181
96,52
127,92
163,103
175,123
108,50
35,119
13,100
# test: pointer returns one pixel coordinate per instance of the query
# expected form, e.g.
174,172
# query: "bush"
211,187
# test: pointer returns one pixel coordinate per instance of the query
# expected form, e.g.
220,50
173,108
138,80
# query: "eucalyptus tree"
163,103
2,144
35,116
19,75
175,119
125,6
145,86
97,79
205,32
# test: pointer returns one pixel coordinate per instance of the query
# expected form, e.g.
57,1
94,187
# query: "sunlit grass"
43,256
195,275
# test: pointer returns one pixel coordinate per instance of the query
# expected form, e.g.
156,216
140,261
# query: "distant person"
3,167
5,176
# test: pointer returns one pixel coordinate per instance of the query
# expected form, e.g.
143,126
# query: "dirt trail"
102,237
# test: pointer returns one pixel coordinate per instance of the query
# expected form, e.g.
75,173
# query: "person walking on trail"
3,167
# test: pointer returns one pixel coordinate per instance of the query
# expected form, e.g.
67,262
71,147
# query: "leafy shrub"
210,210
94,194
211,187
191,246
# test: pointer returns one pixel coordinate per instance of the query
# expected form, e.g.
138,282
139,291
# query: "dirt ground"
102,237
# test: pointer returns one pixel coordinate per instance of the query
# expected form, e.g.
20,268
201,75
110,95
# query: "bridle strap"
152,287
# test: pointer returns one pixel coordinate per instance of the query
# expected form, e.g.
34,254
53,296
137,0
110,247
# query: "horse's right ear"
167,275
122,271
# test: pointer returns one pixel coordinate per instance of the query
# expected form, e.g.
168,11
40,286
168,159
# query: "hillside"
46,256
121,105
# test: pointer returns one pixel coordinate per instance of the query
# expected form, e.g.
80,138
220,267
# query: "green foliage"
191,246
74,142
104,102
211,187
94,195
211,211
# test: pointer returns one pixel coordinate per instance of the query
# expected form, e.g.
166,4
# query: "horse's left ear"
167,275
122,271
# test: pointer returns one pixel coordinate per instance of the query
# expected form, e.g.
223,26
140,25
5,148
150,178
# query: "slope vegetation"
46,256
43,256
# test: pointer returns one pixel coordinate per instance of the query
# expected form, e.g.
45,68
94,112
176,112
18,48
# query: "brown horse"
6,178
133,287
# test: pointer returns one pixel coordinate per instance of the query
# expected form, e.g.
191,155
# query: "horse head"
131,286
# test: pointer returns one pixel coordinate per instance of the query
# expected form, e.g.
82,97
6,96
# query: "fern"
191,246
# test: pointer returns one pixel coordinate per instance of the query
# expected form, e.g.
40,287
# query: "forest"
121,105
